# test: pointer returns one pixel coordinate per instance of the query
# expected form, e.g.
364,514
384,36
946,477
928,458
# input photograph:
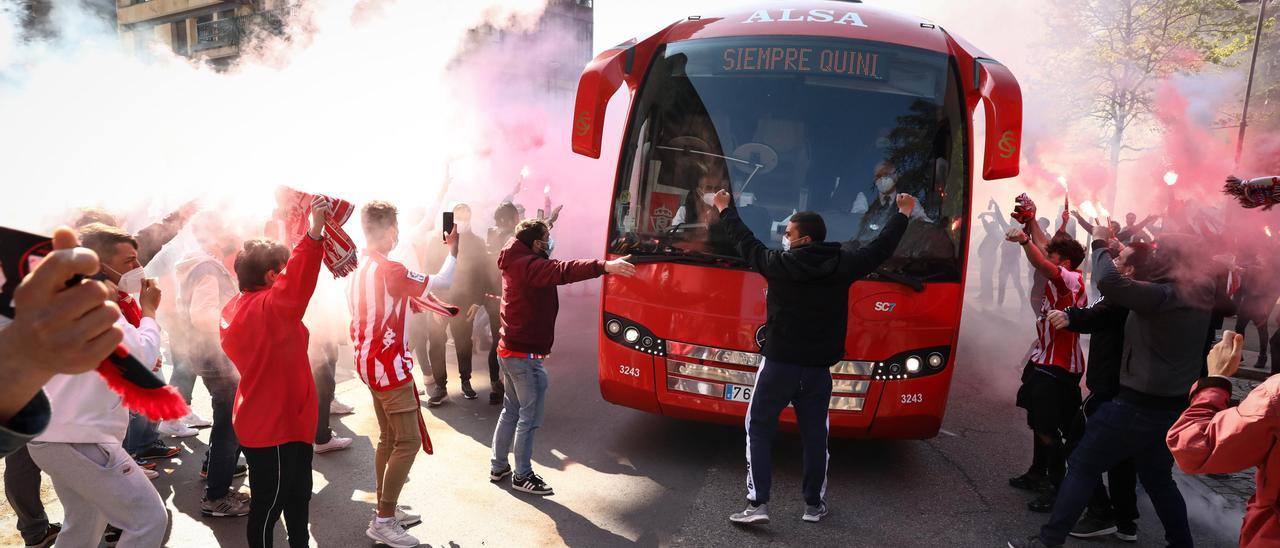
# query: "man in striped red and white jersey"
1050,389
381,294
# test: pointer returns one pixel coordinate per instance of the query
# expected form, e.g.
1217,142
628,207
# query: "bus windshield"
791,124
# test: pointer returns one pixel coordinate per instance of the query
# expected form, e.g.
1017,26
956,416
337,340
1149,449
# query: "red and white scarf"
340,253
431,303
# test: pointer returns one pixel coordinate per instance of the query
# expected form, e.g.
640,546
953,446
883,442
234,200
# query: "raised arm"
1127,292
750,248
1086,225
1211,437
999,217
293,288
869,257
1034,255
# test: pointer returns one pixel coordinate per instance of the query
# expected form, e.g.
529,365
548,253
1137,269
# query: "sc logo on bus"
583,124
885,306
1008,141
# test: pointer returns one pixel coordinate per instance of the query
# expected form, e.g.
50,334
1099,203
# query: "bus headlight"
936,360
910,364
633,335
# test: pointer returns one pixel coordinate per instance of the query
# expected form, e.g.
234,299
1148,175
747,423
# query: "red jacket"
1210,438
263,335
529,299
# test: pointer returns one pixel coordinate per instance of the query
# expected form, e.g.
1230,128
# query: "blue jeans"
142,433
526,388
1116,431
223,454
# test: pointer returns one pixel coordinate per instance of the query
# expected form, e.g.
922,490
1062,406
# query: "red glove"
1024,210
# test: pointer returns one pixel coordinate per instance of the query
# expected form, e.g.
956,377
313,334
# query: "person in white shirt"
81,449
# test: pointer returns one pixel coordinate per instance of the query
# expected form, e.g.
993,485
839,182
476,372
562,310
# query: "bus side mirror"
626,62
1002,98
599,81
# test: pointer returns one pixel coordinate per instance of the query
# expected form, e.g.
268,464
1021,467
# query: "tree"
1128,46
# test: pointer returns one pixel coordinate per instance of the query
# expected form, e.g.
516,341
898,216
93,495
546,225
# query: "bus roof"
815,18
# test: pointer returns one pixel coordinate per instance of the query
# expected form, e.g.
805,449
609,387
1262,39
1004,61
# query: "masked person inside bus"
1050,390
805,329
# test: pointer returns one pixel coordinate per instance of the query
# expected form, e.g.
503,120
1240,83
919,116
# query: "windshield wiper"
688,150
898,277
658,253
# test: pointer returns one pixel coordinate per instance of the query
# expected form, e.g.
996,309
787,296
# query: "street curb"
1252,374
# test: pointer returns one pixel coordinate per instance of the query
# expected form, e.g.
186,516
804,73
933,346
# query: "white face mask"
131,281
709,198
786,243
884,184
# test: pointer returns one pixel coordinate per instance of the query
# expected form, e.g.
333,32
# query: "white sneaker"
150,474
335,444
338,408
406,516
391,534
196,421
176,429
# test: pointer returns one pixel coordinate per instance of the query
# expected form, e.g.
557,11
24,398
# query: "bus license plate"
733,392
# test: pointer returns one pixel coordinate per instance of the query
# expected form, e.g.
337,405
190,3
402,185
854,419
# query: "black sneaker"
467,391
1127,531
1030,542
1091,526
495,397
50,535
111,536
498,476
1037,483
156,451
531,484
1043,504
241,471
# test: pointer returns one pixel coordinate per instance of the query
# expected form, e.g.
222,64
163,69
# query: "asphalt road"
623,477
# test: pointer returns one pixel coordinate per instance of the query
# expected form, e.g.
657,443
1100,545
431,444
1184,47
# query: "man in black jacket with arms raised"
808,307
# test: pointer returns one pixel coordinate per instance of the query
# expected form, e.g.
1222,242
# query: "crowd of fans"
1157,383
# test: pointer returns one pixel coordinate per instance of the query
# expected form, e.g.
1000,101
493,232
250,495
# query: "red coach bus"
825,106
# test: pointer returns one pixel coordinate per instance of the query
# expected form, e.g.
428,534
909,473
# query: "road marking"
948,433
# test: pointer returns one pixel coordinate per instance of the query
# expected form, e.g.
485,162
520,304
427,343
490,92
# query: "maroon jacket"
529,299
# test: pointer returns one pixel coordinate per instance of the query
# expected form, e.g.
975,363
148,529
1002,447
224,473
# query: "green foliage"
1127,46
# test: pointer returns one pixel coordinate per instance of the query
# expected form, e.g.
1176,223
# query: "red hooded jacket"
529,298
263,335
1211,438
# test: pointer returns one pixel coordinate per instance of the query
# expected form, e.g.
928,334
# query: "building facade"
213,31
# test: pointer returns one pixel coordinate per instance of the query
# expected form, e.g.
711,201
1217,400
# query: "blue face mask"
551,246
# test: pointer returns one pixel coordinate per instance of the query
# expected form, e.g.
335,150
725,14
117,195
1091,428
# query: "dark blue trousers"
808,388
1119,430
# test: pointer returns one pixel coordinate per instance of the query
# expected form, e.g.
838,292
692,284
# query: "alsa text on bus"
814,16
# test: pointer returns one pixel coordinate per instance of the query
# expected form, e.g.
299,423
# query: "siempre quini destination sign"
804,60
